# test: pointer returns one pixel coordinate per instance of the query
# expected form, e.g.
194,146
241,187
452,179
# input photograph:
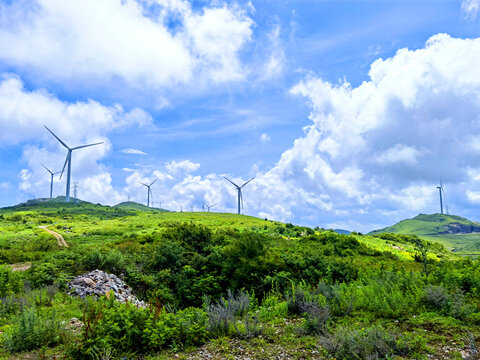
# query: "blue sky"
347,112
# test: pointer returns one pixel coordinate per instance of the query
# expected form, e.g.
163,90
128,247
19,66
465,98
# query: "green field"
222,286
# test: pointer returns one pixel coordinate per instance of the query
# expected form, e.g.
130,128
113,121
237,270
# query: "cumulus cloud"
157,43
384,144
185,166
470,8
23,114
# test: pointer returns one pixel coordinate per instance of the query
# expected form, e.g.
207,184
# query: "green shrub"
222,314
316,318
128,329
185,328
370,343
43,274
11,282
30,331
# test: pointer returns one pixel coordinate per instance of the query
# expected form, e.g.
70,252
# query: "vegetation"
228,285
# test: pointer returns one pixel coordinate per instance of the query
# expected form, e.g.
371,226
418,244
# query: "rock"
98,283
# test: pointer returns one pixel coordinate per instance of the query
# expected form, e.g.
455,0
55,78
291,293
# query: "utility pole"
75,188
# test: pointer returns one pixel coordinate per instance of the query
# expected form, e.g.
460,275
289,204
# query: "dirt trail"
20,266
61,241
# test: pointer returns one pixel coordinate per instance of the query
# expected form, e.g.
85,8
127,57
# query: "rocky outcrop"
97,283
457,228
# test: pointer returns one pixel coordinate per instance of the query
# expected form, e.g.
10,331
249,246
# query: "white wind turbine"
68,161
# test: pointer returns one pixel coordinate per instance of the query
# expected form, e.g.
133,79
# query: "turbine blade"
84,146
61,142
241,198
213,205
247,182
65,164
153,182
232,182
48,169
143,184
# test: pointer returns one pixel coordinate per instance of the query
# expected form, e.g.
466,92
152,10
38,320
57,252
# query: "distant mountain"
47,202
435,224
131,205
342,231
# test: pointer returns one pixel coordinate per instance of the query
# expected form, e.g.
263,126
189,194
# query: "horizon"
348,114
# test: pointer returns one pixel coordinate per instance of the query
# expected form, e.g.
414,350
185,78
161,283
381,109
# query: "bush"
436,297
221,315
10,281
316,318
371,343
128,329
30,331
185,328
43,274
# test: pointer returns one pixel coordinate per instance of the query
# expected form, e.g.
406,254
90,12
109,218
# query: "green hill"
136,206
223,286
454,232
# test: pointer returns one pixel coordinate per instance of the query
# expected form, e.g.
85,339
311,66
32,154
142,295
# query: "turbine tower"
69,161
440,191
149,191
239,190
51,179
209,206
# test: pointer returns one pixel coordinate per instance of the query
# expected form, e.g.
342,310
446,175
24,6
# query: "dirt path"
20,266
61,241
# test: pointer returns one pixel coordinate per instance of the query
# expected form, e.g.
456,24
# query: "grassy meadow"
225,286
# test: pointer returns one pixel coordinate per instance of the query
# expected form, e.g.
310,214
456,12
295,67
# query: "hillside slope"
454,232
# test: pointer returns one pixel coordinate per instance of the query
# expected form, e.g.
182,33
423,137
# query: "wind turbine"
69,161
51,178
209,206
239,189
440,191
149,191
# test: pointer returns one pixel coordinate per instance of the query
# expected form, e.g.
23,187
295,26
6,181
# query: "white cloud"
185,166
473,196
397,154
23,114
276,61
384,144
470,8
126,39
133,152
264,138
